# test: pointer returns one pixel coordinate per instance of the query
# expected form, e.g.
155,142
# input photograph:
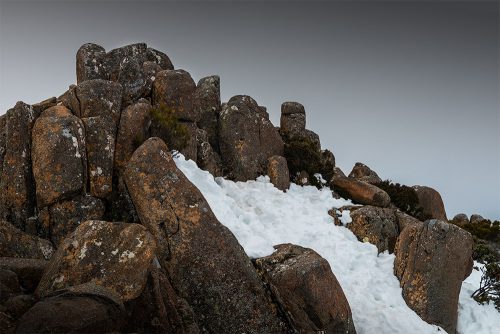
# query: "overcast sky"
409,88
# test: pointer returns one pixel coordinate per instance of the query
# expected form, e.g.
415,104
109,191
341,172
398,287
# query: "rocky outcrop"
99,98
116,256
195,248
432,260
277,169
430,202
207,158
207,107
475,218
247,139
360,192
303,283
91,63
460,219
28,271
363,173
293,118
16,243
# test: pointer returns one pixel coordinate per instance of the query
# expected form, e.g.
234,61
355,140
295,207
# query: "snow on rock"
261,216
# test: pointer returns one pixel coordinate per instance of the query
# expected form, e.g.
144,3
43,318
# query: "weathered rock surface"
475,218
305,286
460,219
431,203
207,158
208,107
16,243
293,118
432,260
159,58
327,165
277,169
195,248
91,63
360,192
59,158
99,98
28,271
113,255
247,139
363,173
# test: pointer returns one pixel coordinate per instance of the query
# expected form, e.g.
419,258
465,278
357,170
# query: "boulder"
293,118
208,106
195,248
132,78
327,165
159,58
112,255
247,139
360,192
277,169
3,142
363,173
16,243
306,288
149,70
207,158
39,107
475,218
59,158
174,89
429,200
99,98
460,219
432,260
28,271
18,305
188,146
17,197
70,100
91,63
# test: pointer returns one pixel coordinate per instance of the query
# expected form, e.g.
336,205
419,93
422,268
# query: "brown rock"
430,202
159,58
305,286
18,305
59,158
207,159
360,192
99,98
460,219
327,165
293,118
70,100
113,255
16,243
91,63
245,151
432,260
363,173
149,69
277,169
28,271
39,107
475,218
195,248
189,147
208,106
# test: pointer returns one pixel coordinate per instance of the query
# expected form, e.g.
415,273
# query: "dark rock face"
16,243
277,169
195,249
363,173
18,305
327,165
112,255
247,139
99,98
303,283
59,158
91,63
159,58
207,158
17,197
28,271
460,219
430,202
432,260
39,107
475,218
208,107
293,118
360,192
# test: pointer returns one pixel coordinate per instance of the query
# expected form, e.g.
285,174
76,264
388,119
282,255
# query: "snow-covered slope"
261,216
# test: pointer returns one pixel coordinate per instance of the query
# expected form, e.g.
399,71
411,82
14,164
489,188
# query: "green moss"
404,197
168,127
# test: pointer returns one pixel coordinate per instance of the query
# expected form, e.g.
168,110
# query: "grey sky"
409,88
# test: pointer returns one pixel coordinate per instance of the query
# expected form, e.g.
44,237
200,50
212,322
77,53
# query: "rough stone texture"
16,243
363,173
461,219
82,309
133,80
293,118
247,139
432,260
431,203
378,226
277,169
475,218
305,286
17,197
159,58
117,56
149,69
99,98
59,158
18,305
207,159
113,255
91,63
28,271
7,324
70,100
190,150
175,90
39,107
3,142
195,248
208,107
360,192
327,165
133,130
66,216
100,135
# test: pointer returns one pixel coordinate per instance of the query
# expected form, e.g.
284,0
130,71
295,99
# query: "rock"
475,218
17,197
116,57
378,226
302,178
18,305
430,202
277,169
159,58
99,98
338,172
16,243
432,260
3,142
66,216
132,132
363,173
59,158
302,152
39,107
207,159
91,63
208,107
360,192
247,139
112,255
100,133
70,100
7,324
195,248
293,118
189,147
460,219
149,69
305,286
82,309
175,89
28,271
327,165
8,283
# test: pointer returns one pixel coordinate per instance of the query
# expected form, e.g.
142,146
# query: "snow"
260,216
